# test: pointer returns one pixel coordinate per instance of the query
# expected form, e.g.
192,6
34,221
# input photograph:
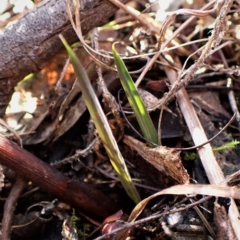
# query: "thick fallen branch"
28,44
79,194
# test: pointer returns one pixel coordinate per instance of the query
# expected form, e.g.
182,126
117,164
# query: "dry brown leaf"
208,101
164,159
150,100
224,228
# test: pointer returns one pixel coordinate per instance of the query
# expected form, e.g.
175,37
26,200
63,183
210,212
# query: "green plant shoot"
142,116
102,126
227,145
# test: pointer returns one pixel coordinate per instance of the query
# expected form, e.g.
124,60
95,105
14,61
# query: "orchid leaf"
139,109
102,126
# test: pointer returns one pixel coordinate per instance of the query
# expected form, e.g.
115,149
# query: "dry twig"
9,207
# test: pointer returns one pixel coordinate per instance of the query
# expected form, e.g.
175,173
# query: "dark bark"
28,44
80,195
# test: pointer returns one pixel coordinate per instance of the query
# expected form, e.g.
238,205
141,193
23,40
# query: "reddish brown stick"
79,194
9,207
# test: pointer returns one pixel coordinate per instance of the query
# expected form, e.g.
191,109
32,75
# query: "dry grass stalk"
211,167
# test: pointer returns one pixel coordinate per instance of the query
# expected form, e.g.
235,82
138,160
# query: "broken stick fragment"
164,159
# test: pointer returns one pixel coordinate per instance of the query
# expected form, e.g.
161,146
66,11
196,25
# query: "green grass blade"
102,126
143,118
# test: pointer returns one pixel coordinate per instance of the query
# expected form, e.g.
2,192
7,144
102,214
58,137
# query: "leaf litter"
199,36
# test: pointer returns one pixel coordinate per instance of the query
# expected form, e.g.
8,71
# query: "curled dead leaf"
164,159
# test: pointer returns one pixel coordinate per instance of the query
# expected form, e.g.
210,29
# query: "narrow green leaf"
102,126
135,100
228,145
